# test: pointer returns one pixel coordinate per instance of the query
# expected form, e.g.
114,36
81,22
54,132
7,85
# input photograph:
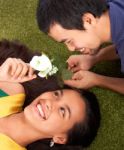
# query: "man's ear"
60,139
88,19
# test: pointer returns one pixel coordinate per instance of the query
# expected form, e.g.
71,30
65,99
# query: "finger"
71,64
75,69
71,60
5,67
18,70
70,67
26,78
12,65
23,79
31,71
78,75
23,70
72,83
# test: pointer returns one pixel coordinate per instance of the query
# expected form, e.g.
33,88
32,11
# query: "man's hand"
85,62
15,70
80,62
87,79
83,79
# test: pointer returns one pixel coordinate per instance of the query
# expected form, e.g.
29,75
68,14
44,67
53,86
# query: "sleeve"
11,104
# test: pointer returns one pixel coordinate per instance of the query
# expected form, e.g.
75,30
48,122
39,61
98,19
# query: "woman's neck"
16,127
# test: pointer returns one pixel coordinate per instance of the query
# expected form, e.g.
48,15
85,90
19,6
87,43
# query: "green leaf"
66,74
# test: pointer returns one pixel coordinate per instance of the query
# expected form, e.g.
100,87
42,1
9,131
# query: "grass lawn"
18,21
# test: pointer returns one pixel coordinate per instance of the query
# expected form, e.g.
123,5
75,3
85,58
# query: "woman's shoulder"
2,93
11,104
13,98
11,88
9,144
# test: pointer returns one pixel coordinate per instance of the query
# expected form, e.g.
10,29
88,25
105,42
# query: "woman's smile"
41,111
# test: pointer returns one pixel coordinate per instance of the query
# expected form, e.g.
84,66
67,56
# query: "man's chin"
94,51
90,51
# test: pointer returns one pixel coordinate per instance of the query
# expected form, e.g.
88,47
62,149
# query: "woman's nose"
51,104
49,107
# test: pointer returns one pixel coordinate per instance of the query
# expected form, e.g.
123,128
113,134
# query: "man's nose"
70,47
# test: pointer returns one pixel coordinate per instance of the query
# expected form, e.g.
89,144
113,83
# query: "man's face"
85,41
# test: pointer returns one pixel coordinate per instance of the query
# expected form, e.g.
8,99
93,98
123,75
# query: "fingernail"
34,76
30,75
14,77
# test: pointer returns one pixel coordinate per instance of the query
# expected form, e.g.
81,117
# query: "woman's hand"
15,70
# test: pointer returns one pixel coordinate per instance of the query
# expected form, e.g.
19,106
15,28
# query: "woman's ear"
60,139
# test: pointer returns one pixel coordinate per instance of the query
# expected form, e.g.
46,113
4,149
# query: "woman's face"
55,112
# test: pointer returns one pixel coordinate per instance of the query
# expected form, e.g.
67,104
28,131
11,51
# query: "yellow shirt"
10,105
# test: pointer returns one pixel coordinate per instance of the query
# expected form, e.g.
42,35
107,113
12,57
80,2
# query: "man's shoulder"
115,1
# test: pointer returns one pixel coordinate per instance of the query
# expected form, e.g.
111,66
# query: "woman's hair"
14,49
87,129
35,87
82,133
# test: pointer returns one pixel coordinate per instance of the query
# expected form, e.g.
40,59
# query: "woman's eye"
62,111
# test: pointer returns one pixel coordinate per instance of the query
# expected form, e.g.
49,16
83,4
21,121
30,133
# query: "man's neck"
104,28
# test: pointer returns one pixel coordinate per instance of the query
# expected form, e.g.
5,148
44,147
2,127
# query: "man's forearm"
107,53
115,84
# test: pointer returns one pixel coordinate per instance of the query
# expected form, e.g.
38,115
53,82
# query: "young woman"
65,116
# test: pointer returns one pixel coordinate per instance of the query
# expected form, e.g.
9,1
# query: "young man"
83,25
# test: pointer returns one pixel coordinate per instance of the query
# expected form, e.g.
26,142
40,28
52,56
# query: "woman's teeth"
39,107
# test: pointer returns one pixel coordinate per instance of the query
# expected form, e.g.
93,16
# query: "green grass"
18,21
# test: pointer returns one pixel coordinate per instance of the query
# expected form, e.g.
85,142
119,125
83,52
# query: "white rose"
53,71
41,63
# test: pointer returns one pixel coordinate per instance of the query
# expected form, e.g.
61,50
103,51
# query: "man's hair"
67,13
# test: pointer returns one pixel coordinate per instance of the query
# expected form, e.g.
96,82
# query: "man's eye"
56,93
68,42
62,111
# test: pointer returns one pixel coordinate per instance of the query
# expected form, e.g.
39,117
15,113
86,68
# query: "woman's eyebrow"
69,111
67,107
61,92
